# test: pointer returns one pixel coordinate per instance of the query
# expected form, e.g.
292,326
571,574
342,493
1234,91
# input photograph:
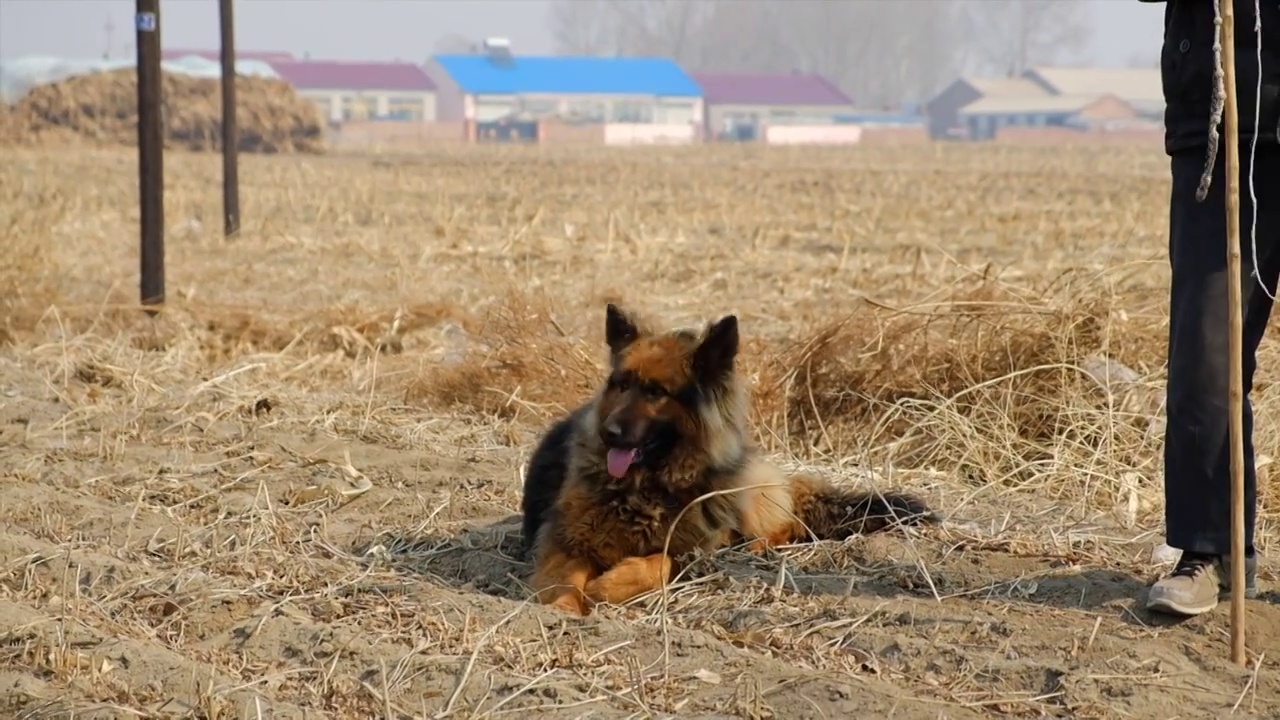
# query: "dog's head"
667,391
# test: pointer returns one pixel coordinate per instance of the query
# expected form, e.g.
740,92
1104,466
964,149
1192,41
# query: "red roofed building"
363,90
749,99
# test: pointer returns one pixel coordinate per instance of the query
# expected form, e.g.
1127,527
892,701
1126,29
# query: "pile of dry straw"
103,107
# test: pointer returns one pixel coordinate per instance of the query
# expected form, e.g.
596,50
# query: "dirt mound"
103,107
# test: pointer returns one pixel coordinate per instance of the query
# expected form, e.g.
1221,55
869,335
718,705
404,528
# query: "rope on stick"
1215,107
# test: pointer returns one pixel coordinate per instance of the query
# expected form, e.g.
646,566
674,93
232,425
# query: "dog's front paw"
573,603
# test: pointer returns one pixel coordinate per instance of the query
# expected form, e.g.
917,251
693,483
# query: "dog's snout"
613,432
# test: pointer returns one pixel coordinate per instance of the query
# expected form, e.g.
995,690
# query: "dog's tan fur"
596,538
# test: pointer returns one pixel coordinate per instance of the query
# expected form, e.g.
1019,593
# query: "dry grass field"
295,492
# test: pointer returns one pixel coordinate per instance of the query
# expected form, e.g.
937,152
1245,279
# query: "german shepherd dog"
606,482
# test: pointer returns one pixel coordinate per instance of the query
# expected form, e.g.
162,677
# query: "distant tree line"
882,52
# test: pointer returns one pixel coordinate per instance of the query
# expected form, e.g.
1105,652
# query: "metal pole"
1231,137
150,154
230,133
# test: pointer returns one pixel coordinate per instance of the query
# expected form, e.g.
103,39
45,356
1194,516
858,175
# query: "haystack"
103,107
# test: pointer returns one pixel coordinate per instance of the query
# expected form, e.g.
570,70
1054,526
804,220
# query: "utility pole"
150,154
230,133
110,29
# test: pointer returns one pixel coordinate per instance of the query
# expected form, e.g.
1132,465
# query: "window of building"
355,107
587,110
674,111
540,107
400,107
625,111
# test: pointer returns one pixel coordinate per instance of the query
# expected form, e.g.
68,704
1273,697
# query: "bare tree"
695,33
584,27
881,51
1011,36
453,44
668,28
746,37
936,47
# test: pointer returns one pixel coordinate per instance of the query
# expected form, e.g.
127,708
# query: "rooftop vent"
498,49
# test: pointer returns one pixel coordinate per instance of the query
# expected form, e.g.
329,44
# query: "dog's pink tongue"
619,460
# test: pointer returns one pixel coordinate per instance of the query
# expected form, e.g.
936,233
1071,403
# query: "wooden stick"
1231,137
150,156
230,132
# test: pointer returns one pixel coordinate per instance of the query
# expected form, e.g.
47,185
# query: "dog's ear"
713,360
619,329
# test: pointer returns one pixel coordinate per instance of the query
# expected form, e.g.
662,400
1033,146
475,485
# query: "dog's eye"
654,392
620,382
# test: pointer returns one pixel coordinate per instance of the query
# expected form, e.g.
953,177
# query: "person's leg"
1197,451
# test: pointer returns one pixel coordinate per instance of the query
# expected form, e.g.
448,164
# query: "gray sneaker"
1197,583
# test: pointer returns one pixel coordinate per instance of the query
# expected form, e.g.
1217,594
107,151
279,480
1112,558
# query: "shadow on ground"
490,559
1094,590
487,559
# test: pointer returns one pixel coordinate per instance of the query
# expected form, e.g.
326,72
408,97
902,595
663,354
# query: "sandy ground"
294,494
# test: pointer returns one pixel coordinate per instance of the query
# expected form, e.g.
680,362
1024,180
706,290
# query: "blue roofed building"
494,84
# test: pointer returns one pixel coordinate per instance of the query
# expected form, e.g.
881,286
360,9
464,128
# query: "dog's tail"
831,513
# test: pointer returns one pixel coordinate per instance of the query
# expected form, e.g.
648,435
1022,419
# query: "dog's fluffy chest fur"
637,514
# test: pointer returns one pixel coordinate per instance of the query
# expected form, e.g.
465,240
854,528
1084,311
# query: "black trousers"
1197,474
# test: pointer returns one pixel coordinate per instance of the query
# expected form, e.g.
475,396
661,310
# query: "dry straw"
101,107
186,534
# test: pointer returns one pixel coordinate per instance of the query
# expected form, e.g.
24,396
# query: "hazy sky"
388,29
